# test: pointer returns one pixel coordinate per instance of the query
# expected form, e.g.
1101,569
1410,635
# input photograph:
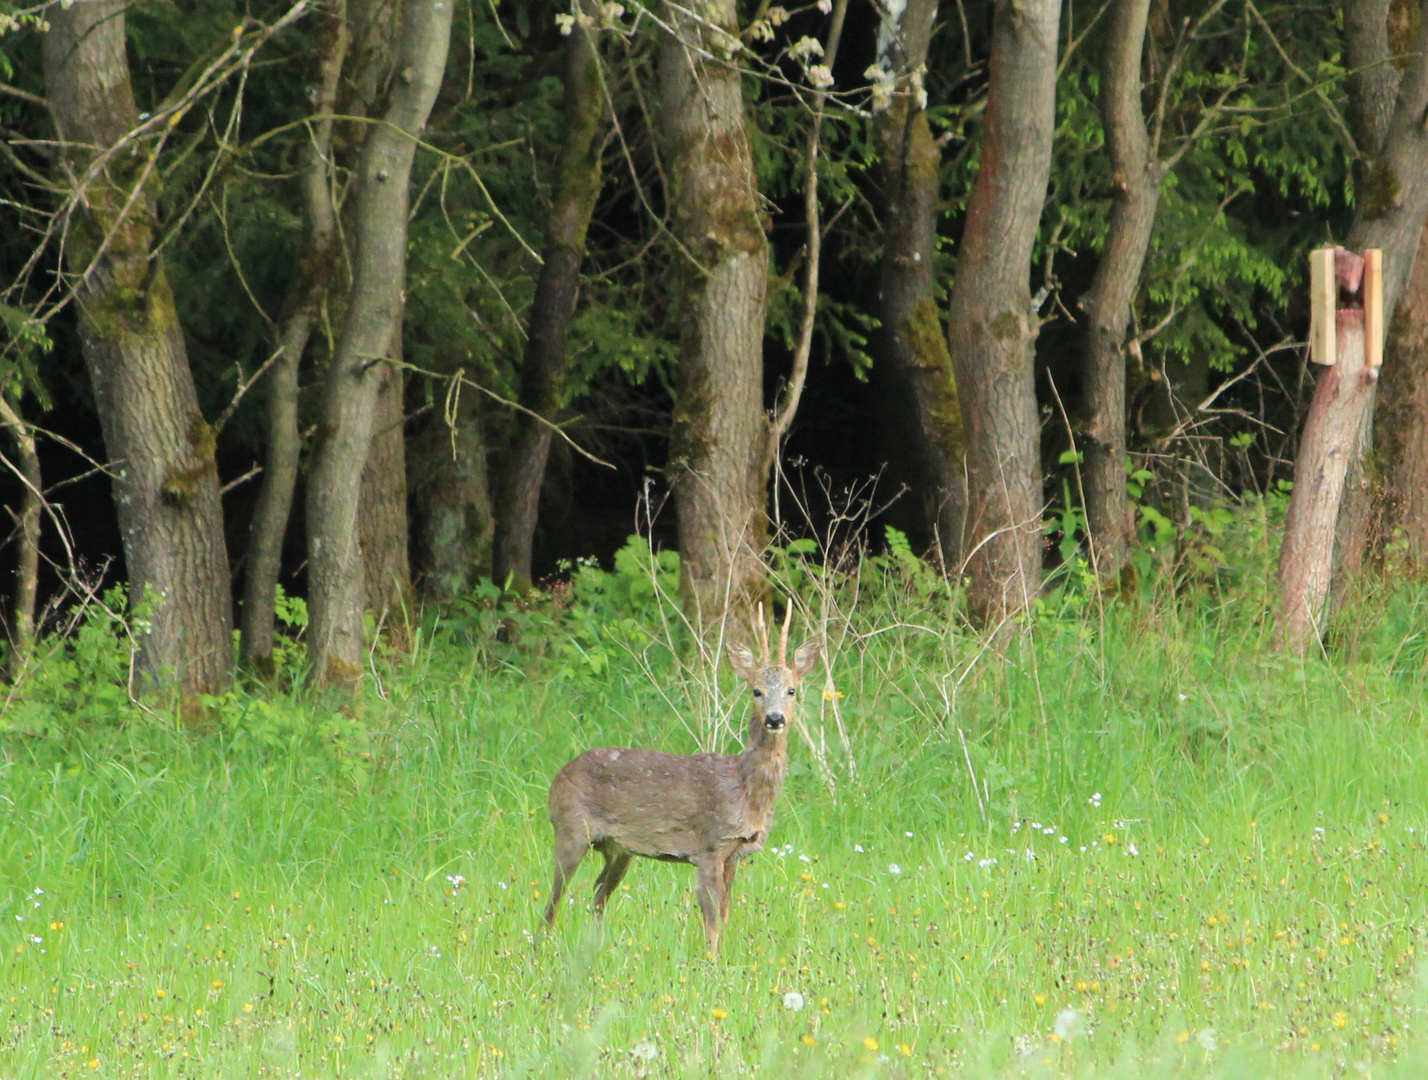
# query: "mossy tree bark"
1400,430
315,271
993,328
453,521
161,448
27,521
542,388
1139,173
355,373
914,345
1392,204
719,430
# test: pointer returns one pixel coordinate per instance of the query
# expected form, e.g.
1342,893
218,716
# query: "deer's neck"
763,766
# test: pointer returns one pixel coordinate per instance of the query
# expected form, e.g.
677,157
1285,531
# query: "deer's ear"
805,656
741,659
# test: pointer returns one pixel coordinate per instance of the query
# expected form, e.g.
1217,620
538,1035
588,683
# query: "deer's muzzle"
773,721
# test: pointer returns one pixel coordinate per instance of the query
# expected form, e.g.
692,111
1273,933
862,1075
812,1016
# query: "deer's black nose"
773,721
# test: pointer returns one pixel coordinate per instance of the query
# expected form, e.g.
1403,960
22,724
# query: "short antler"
783,633
761,632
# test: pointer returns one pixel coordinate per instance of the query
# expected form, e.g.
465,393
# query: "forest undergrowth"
1124,839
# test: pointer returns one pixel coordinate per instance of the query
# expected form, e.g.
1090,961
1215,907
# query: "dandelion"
904,1049
871,1043
645,1051
1341,1020
161,993
793,1001
218,984
1183,1038
719,1014
1207,1040
808,1040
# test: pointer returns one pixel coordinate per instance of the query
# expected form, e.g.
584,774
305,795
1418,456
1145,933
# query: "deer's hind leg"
617,864
731,867
569,850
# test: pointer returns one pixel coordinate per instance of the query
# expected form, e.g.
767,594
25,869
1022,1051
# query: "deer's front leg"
709,890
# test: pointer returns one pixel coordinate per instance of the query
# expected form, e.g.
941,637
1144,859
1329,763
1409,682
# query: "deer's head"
774,681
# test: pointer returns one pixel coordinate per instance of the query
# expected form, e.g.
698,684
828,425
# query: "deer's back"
658,805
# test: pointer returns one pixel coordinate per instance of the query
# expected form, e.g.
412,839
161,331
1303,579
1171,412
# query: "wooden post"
1346,336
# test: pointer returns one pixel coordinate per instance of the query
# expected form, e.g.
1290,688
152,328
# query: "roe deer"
707,809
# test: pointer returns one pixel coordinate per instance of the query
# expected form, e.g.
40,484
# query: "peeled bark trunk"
543,372
1400,432
335,577
382,514
1135,197
166,482
719,430
993,327
1341,398
314,276
27,561
914,346
453,520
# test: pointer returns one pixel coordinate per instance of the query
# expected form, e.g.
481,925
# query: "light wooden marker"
1323,301
1373,308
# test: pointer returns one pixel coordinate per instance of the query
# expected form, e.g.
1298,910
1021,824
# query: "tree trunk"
719,430
305,296
1136,195
993,327
1400,435
915,349
543,372
1341,397
453,519
382,512
1392,192
166,482
27,561
335,578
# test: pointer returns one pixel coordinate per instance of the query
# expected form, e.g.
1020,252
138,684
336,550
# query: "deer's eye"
791,692
758,693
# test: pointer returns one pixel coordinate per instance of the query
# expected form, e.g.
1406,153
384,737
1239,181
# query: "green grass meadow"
1125,840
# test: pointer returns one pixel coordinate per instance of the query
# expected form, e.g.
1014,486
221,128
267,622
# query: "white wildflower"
894,869
1208,1039
825,6
566,22
820,76
793,1001
805,48
645,1051
1068,1024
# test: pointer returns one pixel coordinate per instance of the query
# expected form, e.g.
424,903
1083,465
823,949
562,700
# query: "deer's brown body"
710,810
